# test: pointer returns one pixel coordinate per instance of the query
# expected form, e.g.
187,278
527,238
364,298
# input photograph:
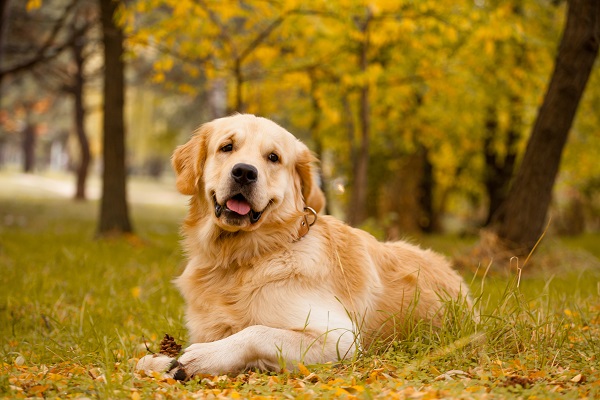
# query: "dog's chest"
259,294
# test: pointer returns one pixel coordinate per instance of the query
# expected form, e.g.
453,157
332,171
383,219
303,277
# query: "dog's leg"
264,348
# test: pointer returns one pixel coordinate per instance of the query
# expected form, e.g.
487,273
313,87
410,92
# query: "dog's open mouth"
237,207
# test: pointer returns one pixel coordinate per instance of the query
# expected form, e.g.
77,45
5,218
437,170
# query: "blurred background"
420,111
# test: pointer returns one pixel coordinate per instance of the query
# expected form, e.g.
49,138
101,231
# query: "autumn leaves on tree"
379,70
415,108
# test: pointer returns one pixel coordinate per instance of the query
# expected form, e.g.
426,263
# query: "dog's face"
247,171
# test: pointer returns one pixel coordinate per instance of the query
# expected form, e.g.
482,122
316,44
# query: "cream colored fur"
260,295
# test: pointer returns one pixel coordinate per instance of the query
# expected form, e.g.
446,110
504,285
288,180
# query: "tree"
520,220
345,75
28,143
357,211
40,53
79,118
67,75
114,213
499,166
49,49
3,21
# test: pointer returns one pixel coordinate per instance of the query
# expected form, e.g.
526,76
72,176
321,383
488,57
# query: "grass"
75,313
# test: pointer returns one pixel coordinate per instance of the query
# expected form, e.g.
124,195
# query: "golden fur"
267,294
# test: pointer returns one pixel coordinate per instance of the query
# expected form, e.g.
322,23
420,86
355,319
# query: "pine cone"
169,347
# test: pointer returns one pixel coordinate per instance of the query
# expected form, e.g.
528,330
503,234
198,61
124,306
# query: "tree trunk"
499,171
491,169
114,214
217,98
428,216
3,30
29,139
357,211
314,128
520,220
239,105
79,111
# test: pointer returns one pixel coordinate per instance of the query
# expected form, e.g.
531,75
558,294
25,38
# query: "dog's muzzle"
237,207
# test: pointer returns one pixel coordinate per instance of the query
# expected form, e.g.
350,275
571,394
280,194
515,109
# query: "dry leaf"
579,378
303,370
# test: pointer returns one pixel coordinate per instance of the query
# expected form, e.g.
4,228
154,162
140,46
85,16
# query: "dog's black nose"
244,174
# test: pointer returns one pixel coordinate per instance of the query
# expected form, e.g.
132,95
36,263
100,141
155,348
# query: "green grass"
75,312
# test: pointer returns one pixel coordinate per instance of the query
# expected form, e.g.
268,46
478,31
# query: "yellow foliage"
489,47
431,67
33,5
265,53
164,64
182,8
136,291
158,77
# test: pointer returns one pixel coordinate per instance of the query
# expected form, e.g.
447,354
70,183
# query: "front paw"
210,358
162,363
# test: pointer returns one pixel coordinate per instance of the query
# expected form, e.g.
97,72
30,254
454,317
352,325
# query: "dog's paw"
162,363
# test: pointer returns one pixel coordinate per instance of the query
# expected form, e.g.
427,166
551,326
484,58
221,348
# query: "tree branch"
42,53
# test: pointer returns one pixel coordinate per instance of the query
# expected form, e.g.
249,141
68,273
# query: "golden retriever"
269,283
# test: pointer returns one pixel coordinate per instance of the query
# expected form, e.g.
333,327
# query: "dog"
269,281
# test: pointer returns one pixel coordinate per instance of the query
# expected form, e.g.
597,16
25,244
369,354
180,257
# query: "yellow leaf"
537,375
156,375
136,291
303,370
489,47
33,5
452,34
38,389
158,77
472,389
570,313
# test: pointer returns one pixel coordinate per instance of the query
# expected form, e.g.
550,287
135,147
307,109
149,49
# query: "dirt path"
140,190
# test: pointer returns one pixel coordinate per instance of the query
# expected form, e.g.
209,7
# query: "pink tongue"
237,206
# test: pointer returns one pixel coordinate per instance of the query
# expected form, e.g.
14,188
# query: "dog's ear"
311,192
188,160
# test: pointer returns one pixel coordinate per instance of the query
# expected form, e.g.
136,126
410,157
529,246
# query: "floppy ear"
311,192
188,159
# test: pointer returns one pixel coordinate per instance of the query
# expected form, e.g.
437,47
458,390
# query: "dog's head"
247,171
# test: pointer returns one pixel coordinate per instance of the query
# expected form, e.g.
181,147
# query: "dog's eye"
273,157
227,148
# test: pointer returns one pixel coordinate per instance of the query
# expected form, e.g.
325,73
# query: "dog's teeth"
255,216
218,210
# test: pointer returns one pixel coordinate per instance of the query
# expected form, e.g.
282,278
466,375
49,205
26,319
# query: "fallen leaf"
136,291
515,380
38,389
19,361
303,370
449,374
579,378
312,377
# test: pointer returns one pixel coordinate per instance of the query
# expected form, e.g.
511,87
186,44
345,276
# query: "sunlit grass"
75,312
